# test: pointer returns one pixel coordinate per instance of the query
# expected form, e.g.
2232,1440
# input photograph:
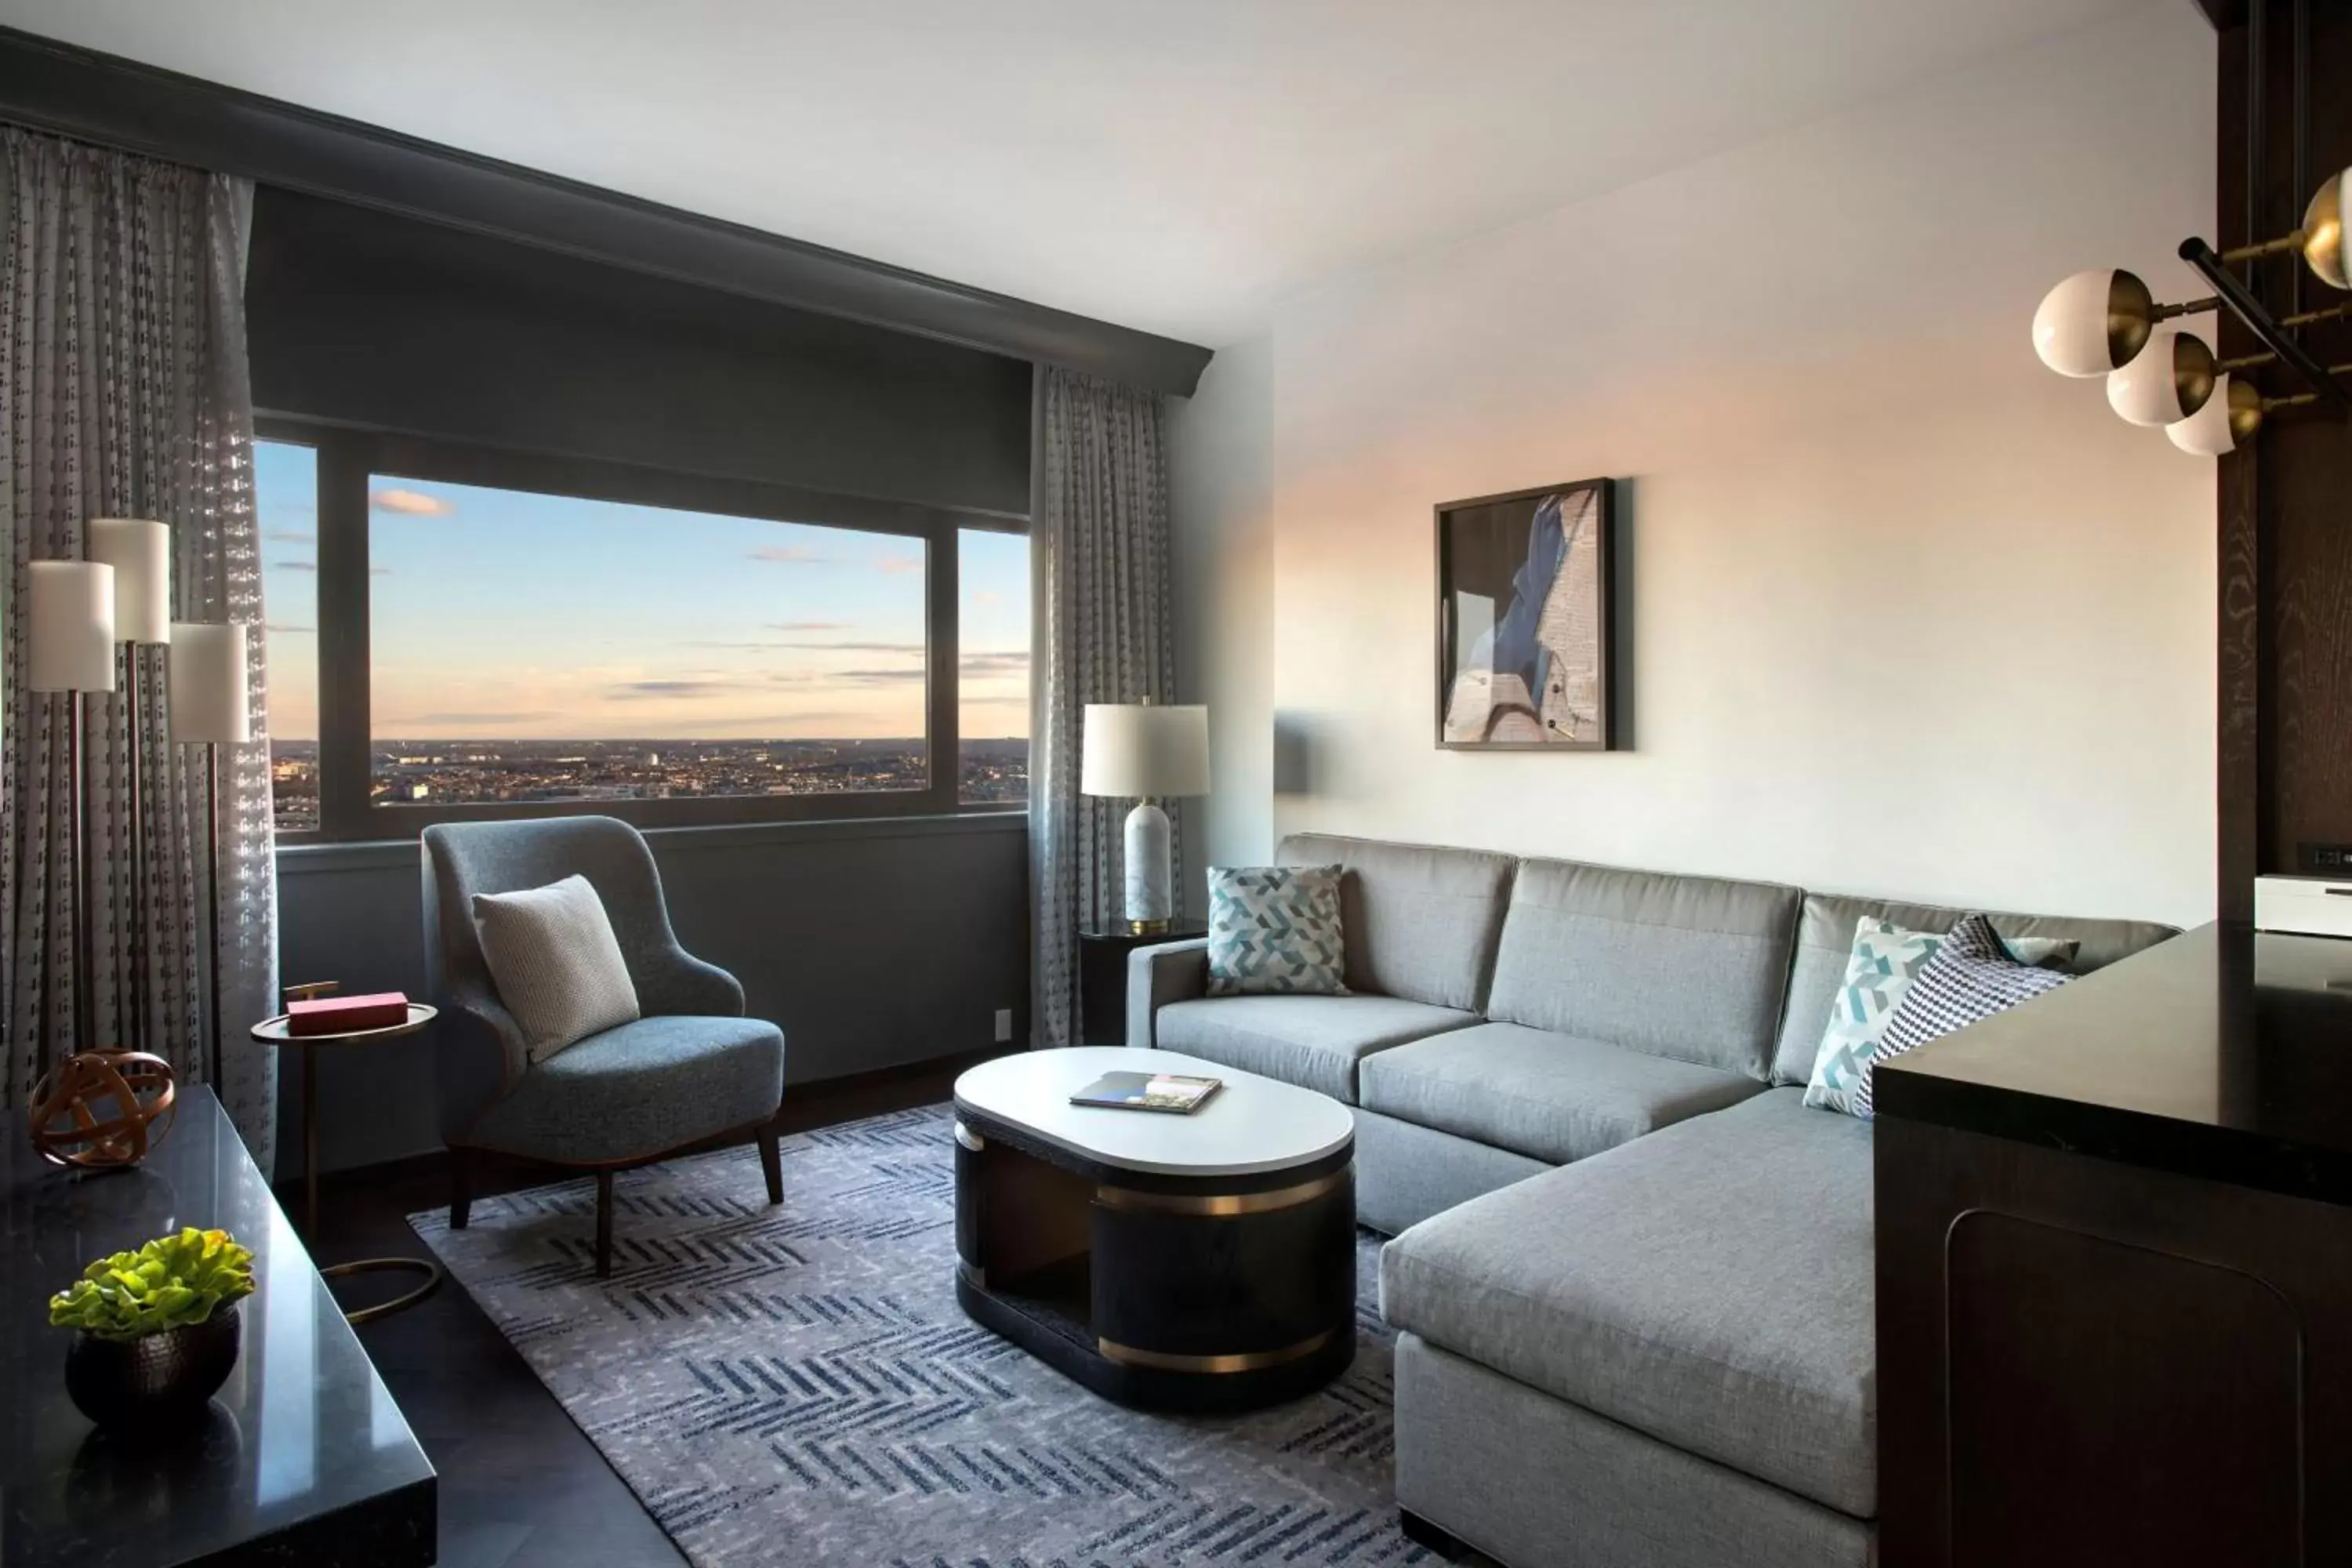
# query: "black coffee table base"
1195,1293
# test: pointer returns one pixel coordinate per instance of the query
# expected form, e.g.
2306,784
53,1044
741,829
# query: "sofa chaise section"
1708,1286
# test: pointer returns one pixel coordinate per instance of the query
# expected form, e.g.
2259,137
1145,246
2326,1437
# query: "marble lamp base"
1151,878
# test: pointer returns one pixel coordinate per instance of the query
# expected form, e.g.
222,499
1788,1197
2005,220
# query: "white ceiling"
1179,166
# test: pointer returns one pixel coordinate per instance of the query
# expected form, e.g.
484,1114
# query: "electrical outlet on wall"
1004,1024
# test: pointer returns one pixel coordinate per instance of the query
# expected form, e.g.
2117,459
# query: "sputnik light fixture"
2109,323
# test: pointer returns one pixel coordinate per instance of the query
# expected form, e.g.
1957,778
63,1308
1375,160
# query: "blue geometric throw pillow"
1275,930
1971,978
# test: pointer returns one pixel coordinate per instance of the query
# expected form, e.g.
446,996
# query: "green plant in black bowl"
158,1329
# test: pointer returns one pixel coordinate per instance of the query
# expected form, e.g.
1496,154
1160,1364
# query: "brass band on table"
1217,1206
1247,1361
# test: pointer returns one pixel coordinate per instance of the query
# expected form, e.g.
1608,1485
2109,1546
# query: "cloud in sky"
811,626
987,664
878,677
294,566
633,690
274,629
898,566
289,536
987,596
791,554
411,503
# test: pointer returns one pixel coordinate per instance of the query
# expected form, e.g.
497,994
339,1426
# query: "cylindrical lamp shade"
141,554
2171,379
2094,323
208,689
2228,421
69,626
1139,750
2323,231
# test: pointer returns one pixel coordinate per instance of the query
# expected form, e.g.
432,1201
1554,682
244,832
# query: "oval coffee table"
1199,1262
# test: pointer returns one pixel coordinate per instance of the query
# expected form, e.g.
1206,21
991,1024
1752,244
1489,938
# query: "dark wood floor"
520,1487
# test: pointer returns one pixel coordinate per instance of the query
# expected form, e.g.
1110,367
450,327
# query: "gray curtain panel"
1104,633
122,350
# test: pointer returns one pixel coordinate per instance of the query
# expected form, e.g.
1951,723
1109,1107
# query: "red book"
346,1014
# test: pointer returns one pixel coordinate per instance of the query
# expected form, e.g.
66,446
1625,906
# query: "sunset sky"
498,615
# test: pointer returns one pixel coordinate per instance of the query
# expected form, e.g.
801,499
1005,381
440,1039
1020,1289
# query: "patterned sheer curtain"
123,357
1104,633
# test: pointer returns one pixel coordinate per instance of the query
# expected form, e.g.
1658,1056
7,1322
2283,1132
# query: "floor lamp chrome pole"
69,638
140,550
209,709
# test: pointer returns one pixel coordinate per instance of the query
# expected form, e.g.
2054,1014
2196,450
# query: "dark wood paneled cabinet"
2115,1270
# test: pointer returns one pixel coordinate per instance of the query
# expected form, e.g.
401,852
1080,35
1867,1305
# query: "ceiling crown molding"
116,102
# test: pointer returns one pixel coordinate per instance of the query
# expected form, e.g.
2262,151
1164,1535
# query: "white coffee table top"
1253,1124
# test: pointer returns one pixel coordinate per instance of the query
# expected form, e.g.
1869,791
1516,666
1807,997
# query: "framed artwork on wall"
1524,592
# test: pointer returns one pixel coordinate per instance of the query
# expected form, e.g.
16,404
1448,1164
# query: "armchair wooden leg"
772,1164
603,1225
461,1187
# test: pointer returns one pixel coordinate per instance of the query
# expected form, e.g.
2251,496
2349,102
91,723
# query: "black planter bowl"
156,1380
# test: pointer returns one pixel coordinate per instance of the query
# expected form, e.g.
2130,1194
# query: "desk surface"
2225,1053
303,1449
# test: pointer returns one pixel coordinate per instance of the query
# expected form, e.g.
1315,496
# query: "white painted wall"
1222,498
1911,614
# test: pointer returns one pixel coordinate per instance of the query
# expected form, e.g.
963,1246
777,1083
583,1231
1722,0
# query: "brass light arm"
2267,248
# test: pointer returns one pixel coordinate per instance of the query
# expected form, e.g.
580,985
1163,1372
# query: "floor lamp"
140,550
69,638
209,709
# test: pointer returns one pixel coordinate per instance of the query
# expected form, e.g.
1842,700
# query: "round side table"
274,1032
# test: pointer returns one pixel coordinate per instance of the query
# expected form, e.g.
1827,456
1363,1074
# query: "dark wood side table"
274,1031
1102,979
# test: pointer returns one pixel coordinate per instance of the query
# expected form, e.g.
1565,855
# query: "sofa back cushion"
1825,941
1688,967
1419,922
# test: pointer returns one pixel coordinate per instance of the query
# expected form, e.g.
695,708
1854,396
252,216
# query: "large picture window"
508,635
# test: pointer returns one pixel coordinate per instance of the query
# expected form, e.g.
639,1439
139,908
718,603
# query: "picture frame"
1526,610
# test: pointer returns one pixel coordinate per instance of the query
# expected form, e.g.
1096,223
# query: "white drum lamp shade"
141,554
69,626
1138,750
1141,749
2170,380
2094,323
208,684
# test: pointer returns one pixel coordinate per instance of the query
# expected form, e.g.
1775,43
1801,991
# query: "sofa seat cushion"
640,1089
1315,1041
1552,1097
1710,1285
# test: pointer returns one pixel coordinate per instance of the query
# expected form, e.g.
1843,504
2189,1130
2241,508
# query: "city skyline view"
502,614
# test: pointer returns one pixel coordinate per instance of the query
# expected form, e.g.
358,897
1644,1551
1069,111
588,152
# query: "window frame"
349,457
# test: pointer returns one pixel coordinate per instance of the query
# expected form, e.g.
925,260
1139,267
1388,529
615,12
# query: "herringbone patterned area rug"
797,1384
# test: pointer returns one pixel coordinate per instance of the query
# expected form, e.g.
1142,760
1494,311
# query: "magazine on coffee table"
1171,1092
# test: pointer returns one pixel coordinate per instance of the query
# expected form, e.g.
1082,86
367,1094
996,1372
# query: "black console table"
303,1457
2114,1270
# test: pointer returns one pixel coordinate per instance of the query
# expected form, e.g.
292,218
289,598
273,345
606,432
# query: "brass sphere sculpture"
103,1110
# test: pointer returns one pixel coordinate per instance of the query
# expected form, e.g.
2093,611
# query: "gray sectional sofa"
1631,1273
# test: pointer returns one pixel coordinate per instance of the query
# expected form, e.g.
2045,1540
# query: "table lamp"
1139,750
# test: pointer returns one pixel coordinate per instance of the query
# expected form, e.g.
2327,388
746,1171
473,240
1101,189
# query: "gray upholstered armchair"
691,1070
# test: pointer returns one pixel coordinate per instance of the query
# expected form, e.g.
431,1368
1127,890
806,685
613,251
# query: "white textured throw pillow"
556,962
